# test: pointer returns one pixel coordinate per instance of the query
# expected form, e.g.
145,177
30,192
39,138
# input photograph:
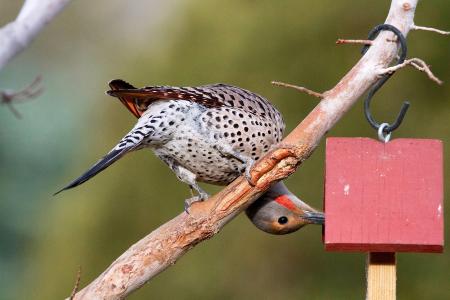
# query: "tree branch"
298,88
417,63
27,93
77,284
415,27
360,42
165,245
17,35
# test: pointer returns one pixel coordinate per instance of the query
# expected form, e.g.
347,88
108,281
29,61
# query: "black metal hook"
372,35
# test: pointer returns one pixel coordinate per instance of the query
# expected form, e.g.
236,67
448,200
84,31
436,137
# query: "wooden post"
381,276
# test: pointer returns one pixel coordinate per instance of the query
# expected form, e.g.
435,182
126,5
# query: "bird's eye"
283,220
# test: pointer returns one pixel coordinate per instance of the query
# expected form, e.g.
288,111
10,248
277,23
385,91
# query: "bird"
279,211
211,133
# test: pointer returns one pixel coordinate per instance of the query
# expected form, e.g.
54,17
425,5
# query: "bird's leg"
187,177
202,195
247,161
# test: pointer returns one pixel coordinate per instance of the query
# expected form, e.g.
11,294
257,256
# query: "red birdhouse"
384,197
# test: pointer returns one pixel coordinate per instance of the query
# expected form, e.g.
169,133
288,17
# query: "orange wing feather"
126,100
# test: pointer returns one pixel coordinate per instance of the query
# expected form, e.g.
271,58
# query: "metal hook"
388,128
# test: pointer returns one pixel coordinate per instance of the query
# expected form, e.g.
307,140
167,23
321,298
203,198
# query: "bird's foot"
247,173
247,161
188,202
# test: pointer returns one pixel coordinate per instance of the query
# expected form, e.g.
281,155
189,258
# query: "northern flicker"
211,133
279,211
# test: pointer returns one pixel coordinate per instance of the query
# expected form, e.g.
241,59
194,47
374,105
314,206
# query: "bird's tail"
102,164
130,142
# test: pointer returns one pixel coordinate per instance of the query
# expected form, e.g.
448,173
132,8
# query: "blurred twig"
298,88
77,284
27,93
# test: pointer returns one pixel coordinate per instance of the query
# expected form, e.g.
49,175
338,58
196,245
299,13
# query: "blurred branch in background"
17,35
165,245
29,92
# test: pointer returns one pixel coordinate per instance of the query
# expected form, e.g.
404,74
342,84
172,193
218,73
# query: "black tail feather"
102,164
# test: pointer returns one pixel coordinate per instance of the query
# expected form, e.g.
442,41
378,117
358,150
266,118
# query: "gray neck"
280,188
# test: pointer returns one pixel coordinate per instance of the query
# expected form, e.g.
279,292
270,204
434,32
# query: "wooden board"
384,197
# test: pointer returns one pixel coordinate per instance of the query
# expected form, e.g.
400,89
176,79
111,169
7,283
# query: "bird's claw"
188,202
248,168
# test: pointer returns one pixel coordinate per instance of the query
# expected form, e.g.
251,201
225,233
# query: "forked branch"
9,98
417,63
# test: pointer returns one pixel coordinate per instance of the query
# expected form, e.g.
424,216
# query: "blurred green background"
43,239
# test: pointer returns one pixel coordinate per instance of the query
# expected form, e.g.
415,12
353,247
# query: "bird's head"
279,211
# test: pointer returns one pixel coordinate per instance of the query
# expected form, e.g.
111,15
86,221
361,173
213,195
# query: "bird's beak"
314,217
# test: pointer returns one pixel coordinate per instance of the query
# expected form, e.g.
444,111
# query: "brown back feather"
137,100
